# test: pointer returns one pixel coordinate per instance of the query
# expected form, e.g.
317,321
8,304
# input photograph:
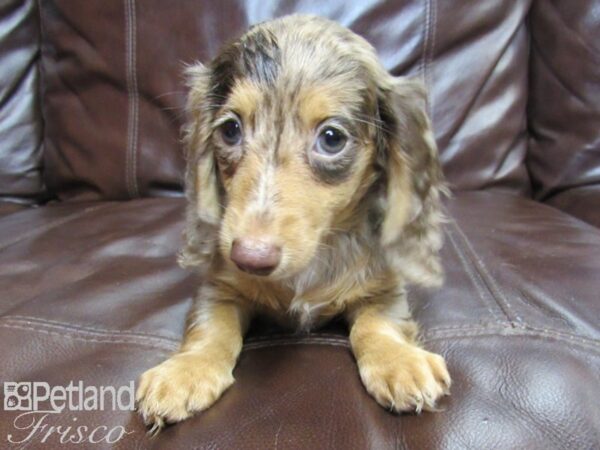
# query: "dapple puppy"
313,189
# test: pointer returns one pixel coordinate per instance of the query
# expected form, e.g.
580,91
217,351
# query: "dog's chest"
293,311
308,315
292,308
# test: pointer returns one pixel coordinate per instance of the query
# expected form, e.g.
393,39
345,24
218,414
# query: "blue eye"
231,132
331,141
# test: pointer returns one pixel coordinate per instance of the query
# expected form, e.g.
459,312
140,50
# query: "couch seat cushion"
92,292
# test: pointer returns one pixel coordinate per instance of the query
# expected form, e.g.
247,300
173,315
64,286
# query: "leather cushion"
564,110
20,118
114,94
92,293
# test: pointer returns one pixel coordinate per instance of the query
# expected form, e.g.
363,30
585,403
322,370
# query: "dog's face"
292,159
290,131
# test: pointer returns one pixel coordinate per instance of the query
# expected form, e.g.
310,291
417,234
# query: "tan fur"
245,98
395,370
315,104
353,228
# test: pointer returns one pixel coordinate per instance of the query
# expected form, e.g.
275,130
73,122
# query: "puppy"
313,190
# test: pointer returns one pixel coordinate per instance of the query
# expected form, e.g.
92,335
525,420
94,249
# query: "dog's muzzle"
254,256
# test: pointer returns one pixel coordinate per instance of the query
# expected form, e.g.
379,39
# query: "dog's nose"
255,256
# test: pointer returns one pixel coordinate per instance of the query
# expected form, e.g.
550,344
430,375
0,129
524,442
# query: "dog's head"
295,132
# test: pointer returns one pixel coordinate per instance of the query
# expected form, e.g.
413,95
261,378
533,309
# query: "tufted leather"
565,101
564,157
90,287
522,344
113,85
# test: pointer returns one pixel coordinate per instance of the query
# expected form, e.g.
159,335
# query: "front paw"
404,377
180,386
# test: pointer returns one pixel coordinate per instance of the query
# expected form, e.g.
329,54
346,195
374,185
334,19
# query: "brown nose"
255,256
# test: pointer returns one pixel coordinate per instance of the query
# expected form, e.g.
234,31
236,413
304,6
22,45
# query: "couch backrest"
112,90
564,105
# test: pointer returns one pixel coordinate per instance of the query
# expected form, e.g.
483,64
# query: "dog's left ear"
201,183
410,231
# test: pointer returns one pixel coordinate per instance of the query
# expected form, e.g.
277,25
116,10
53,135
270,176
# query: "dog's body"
313,190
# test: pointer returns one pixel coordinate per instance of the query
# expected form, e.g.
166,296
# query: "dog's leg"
196,376
398,373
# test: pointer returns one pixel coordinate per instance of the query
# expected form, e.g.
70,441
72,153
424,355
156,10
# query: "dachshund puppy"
313,190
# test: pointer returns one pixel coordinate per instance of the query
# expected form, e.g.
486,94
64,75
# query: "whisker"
164,94
377,123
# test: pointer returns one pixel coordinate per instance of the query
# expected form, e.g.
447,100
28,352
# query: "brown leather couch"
91,220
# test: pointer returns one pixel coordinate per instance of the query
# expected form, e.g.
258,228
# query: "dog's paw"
179,387
404,377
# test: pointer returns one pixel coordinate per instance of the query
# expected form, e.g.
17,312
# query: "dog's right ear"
201,182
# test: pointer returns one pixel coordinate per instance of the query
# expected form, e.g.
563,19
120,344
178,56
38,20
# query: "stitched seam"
129,100
31,321
133,98
433,27
496,327
510,332
479,326
475,278
16,321
564,335
426,24
51,225
40,91
312,338
493,287
154,345
82,333
433,335
136,96
548,312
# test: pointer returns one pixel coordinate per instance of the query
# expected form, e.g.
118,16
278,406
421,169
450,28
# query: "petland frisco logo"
37,401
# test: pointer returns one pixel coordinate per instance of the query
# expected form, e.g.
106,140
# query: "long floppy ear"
201,183
410,232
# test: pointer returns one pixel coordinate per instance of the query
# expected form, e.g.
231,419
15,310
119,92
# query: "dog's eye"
331,141
231,132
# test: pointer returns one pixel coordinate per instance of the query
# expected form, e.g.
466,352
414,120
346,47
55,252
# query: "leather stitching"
426,23
63,330
129,99
436,335
133,98
86,329
475,278
169,345
493,287
433,27
428,51
31,321
108,340
136,96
